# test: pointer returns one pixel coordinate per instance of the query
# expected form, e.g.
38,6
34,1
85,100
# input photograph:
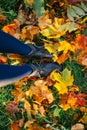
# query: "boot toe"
39,52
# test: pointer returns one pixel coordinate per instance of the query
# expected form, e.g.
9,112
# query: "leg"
10,44
10,74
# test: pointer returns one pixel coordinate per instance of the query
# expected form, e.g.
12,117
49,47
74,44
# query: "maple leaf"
81,99
49,27
63,80
82,58
65,107
58,47
29,32
10,28
68,102
81,42
12,107
72,100
14,126
44,20
66,47
61,87
61,59
41,91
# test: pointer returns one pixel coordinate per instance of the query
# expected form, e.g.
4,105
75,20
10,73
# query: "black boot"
44,69
39,51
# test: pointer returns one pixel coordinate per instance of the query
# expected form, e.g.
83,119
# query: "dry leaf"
29,32
3,59
14,126
10,28
78,126
12,107
2,18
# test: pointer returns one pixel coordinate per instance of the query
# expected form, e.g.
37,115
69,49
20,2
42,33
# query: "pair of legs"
10,73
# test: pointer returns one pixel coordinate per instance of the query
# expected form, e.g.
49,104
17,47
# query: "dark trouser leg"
10,44
9,73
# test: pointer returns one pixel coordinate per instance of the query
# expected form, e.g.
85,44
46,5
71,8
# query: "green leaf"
78,10
71,26
84,7
66,74
73,12
39,7
56,112
69,15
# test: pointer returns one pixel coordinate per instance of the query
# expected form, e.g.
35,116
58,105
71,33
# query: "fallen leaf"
12,107
10,28
3,59
2,18
29,32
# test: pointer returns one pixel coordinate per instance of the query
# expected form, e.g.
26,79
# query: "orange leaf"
41,92
29,32
15,57
10,28
62,58
81,42
3,59
14,126
82,58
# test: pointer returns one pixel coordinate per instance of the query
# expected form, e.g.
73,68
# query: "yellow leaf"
65,106
72,101
84,118
52,47
27,106
55,76
61,87
65,47
63,80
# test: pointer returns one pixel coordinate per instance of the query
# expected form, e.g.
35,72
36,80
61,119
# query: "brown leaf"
2,18
78,126
15,57
82,58
29,32
14,126
37,127
41,91
12,107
